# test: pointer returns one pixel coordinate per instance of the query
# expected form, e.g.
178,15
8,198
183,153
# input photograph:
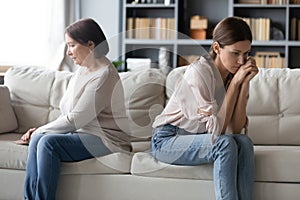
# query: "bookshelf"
282,37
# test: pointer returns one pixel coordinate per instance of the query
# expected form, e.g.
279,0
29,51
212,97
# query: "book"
269,60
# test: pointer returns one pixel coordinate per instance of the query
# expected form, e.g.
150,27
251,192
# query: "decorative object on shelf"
118,64
138,64
198,26
167,2
163,60
276,34
135,2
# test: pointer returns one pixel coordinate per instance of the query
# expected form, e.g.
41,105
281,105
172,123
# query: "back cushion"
8,120
145,98
35,94
273,108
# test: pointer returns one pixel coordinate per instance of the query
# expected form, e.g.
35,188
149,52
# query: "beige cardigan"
94,104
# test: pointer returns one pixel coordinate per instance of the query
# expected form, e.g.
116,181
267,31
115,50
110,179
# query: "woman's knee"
243,142
34,140
47,142
225,146
225,141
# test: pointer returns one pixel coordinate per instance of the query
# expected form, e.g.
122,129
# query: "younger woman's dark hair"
86,30
229,31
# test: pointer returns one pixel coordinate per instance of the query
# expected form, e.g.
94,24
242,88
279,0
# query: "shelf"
182,10
269,43
294,6
206,42
294,44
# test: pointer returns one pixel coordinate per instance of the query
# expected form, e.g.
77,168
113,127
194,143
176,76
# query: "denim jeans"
45,153
232,155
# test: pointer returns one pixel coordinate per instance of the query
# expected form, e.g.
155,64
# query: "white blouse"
194,104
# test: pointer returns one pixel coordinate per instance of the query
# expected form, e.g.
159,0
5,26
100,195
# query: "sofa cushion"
13,156
115,163
144,164
273,108
277,163
272,164
8,120
35,94
145,99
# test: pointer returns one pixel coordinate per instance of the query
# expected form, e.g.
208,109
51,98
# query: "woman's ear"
91,45
216,47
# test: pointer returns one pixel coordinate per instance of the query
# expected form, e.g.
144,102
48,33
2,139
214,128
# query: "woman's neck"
223,71
95,64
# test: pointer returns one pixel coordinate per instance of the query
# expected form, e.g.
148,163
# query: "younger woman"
201,124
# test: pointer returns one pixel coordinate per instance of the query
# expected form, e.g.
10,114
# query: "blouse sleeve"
196,96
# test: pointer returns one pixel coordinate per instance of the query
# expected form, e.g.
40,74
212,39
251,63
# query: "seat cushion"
13,156
272,164
144,164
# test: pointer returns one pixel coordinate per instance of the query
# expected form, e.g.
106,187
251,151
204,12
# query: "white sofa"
30,98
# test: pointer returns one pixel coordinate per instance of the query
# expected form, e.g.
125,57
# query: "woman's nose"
241,60
68,52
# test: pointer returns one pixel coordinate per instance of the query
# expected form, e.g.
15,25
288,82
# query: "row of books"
269,60
295,29
150,28
260,28
294,1
263,60
263,2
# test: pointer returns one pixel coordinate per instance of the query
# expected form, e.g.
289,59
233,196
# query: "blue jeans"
45,154
232,155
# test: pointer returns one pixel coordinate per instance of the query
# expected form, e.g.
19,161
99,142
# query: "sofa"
30,97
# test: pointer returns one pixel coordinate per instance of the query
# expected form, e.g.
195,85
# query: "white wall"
108,14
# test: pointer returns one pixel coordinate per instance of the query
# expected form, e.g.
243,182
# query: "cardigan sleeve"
87,106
